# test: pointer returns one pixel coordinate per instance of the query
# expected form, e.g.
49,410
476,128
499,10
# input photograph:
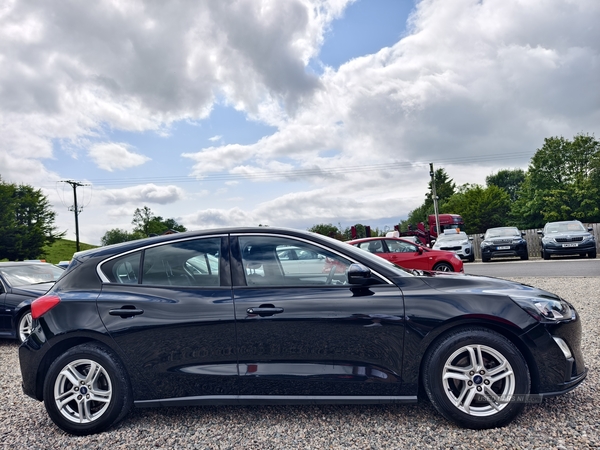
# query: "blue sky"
283,113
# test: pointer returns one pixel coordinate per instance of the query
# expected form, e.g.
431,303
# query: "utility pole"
75,208
435,199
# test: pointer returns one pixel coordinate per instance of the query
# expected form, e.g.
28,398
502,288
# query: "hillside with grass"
62,250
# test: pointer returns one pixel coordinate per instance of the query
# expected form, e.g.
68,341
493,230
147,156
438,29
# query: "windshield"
499,232
27,274
452,237
564,227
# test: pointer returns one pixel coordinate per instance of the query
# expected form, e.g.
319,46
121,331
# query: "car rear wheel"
443,267
24,326
87,390
476,378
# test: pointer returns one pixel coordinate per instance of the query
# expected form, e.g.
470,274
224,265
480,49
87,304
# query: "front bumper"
554,248
497,250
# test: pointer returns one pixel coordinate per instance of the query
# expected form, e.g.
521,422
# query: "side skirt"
273,400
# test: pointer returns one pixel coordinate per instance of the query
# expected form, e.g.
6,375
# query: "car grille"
450,248
503,241
569,239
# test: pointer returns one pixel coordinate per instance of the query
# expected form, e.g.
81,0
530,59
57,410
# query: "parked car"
503,241
453,240
409,255
20,283
105,339
568,237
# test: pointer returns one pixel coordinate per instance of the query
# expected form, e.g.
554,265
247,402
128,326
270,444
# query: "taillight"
42,305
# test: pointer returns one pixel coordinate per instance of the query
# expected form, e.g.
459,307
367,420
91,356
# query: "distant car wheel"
24,326
525,256
474,377
485,259
592,254
87,390
545,255
443,267
471,257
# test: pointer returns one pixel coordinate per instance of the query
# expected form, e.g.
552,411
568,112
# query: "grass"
62,250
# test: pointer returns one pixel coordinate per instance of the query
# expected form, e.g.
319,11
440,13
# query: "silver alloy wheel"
25,326
478,380
443,268
82,391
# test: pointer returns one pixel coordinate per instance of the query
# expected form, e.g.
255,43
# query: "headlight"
517,241
546,309
486,243
464,242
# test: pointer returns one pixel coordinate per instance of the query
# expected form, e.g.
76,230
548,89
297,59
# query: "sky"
283,112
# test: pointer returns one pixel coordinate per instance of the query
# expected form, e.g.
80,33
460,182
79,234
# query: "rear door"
169,308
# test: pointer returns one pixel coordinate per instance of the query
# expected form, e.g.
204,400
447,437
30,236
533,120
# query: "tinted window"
272,260
125,270
400,246
188,263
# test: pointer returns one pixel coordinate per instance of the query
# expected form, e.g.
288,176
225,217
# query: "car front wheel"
476,378
87,390
443,267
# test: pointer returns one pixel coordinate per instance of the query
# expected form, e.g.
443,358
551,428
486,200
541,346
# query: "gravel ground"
571,421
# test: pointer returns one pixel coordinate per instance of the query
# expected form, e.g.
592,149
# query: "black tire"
525,256
443,267
545,255
23,326
485,259
592,254
471,257
450,355
111,384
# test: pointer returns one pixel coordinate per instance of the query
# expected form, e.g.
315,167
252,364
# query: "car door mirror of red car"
359,274
419,250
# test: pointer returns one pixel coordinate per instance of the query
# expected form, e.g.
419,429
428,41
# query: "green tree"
117,235
26,222
327,229
146,223
481,208
509,180
562,183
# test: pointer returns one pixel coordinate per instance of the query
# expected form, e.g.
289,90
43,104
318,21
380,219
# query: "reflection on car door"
170,310
311,333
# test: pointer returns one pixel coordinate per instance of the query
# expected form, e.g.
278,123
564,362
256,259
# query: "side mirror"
481,236
419,250
590,229
432,242
540,232
470,238
358,274
523,233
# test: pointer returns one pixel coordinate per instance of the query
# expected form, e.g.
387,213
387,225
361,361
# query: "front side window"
280,261
401,246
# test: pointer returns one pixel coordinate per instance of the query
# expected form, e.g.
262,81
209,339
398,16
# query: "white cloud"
115,156
139,195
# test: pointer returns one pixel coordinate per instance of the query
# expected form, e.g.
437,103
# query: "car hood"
455,282
33,290
449,241
504,238
568,233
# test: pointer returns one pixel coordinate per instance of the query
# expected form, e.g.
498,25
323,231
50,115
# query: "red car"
409,255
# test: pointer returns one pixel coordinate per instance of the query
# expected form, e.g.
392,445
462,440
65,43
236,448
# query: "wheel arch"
486,324
55,351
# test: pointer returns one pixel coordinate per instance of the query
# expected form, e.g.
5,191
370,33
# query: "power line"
75,208
295,173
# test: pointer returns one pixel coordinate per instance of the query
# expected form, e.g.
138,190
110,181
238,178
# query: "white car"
457,242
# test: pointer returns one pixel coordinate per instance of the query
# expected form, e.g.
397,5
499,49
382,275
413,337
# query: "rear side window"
188,263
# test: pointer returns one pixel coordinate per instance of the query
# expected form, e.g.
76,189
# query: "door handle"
126,312
264,311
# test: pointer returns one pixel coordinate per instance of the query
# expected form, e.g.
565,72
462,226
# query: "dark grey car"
568,237
503,241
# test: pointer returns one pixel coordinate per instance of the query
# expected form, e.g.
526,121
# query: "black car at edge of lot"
568,237
503,241
227,317
21,282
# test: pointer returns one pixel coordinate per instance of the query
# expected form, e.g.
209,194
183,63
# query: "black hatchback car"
567,238
217,317
503,241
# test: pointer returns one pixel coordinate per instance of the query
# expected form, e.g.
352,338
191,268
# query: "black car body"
503,241
567,238
21,283
213,317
